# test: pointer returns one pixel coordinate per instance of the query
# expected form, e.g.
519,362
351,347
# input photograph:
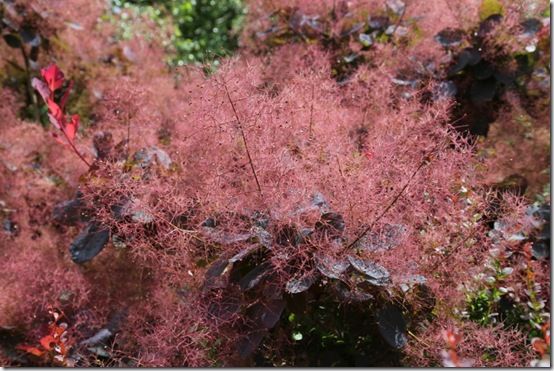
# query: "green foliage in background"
202,30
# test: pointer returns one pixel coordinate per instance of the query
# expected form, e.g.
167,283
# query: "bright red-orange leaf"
57,331
539,345
452,338
29,349
55,114
47,342
71,127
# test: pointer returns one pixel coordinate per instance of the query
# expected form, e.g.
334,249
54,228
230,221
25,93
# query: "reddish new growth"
450,357
53,80
542,345
53,346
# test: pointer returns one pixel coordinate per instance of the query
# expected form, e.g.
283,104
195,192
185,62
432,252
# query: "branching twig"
243,138
311,115
75,148
418,339
425,160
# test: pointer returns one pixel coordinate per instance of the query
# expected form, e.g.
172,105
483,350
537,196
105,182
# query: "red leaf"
539,345
53,77
452,338
56,331
42,88
29,349
71,127
47,342
55,110
56,113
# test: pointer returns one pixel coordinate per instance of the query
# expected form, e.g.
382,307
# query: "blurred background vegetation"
197,31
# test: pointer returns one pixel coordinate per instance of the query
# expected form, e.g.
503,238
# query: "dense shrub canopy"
359,184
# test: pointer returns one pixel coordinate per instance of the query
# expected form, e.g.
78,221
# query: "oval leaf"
370,269
331,267
392,326
12,40
296,286
254,277
248,345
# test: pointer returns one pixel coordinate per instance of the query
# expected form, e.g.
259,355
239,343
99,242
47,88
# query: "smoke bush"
237,201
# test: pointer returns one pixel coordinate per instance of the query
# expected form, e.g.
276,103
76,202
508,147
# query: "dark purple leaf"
483,91
489,24
247,251
356,294
374,273
216,276
450,37
249,343
531,26
33,55
298,285
70,212
30,36
468,57
378,23
89,243
392,326
267,314
483,70
331,222
331,267
12,40
253,278
224,309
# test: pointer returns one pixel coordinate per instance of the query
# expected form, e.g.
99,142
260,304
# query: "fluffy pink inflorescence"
305,134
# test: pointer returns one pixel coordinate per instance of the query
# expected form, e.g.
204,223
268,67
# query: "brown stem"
74,148
244,139
311,114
